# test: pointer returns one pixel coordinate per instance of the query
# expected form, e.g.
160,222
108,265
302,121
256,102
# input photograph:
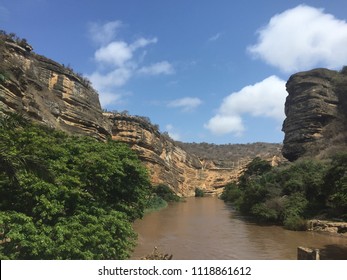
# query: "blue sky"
205,71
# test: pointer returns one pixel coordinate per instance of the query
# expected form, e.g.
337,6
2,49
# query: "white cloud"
170,130
302,38
264,99
223,124
116,78
116,53
186,103
103,34
109,98
142,42
118,61
214,37
158,68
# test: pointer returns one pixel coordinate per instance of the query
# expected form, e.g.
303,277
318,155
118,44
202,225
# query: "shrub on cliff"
82,210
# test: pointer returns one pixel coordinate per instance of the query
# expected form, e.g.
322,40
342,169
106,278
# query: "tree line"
292,193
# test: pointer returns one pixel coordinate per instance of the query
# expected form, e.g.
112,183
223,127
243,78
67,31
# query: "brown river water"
207,228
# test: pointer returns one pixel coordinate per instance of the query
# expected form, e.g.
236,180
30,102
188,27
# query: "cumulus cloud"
302,38
162,67
223,124
263,99
186,103
103,34
115,53
110,98
118,60
115,78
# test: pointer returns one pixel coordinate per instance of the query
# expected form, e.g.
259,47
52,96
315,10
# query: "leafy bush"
166,193
292,193
66,197
295,222
155,203
231,193
264,213
336,185
199,192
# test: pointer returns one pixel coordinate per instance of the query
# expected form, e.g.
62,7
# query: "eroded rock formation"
48,92
52,94
316,113
167,162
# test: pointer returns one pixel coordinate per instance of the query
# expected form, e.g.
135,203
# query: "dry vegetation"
228,154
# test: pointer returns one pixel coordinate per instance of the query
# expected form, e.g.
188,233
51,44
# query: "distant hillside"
230,154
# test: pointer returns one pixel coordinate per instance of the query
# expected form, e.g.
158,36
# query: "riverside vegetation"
68,197
291,193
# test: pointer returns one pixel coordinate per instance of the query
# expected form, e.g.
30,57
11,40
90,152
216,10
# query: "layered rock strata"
49,93
316,113
166,162
54,95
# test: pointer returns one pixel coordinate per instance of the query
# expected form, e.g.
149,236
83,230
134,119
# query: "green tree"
336,185
82,210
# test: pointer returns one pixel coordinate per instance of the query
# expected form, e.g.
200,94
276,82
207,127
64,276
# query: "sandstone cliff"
48,92
54,95
316,110
167,162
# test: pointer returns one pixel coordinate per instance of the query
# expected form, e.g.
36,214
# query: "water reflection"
207,228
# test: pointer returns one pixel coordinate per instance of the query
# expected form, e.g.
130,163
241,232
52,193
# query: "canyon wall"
52,94
48,92
316,110
167,163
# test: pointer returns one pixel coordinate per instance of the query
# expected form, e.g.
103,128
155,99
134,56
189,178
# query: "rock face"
166,162
54,95
316,111
48,92
328,226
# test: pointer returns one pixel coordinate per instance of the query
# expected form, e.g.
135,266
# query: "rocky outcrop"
54,95
328,226
48,92
167,163
316,113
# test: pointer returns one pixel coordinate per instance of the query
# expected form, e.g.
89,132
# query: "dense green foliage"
292,193
155,203
161,195
166,193
66,197
199,192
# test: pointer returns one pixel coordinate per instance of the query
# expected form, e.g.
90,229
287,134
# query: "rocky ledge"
328,226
